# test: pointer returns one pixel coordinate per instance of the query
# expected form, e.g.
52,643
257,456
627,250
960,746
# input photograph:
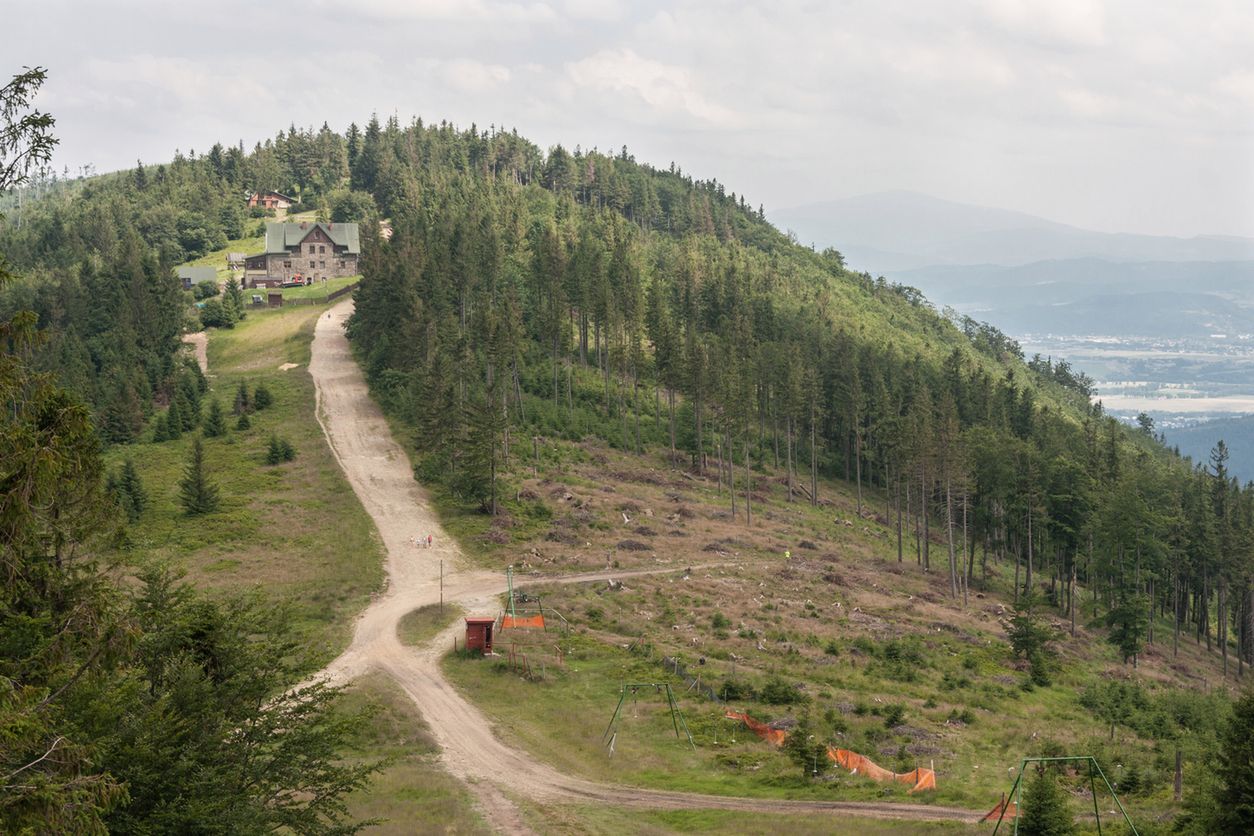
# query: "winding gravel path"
379,472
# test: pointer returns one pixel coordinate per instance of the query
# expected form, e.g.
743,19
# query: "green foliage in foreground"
1045,810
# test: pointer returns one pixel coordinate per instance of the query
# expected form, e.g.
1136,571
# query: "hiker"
428,541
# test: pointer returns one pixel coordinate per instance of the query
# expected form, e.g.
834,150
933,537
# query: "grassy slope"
295,531
611,821
414,794
319,290
825,618
249,245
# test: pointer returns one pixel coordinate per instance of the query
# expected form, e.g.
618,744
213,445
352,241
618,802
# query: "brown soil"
379,472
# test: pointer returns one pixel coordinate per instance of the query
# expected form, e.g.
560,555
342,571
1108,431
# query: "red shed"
479,634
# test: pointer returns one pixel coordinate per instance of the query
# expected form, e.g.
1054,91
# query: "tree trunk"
788,455
949,530
748,486
670,405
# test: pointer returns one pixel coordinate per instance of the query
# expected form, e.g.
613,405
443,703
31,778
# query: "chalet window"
321,250
311,264
287,264
322,264
341,262
311,249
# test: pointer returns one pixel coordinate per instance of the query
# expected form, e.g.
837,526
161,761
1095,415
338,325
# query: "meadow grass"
413,794
296,532
319,290
613,821
420,626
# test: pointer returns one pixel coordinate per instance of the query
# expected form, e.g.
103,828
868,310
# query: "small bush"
733,690
894,713
778,692
262,397
205,290
719,621
279,451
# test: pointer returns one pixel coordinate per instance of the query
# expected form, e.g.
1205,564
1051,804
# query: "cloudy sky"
1120,116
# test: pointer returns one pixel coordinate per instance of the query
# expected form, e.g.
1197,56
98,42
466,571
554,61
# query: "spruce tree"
262,397
1234,801
174,421
130,484
197,493
236,294
215,425
274,454
160,430
243,423
806,750
242,404
1044,810
189,411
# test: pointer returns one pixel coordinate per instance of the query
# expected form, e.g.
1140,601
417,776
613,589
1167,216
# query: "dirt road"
199,342
379,472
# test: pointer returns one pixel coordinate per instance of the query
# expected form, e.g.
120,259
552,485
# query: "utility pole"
441,588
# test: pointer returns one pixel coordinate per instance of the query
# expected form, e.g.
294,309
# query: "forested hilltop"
575,294
581,293
510,296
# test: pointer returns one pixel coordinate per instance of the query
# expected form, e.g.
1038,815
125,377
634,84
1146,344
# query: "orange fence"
508,621
773,736
920,779
995,814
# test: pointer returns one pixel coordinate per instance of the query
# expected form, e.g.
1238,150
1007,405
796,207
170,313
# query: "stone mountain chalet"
302,253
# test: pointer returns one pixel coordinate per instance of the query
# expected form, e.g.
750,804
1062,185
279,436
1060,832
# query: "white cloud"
663,89
1054,23
1008,102
479,11
600,10
474,77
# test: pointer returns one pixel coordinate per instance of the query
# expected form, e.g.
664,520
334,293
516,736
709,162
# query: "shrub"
213,314
735,689
279,451
894,713
205,290
778,692
719,621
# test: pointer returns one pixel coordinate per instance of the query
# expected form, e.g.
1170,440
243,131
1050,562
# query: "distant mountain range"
892,231
1197,442
1030,275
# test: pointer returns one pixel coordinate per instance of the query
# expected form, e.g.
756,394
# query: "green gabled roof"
198,274
280,236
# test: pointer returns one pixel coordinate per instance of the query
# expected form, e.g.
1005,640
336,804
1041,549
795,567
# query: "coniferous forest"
511,292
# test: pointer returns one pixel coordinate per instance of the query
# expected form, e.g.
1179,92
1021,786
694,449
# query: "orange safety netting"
762,730
995,814
508,621
921,779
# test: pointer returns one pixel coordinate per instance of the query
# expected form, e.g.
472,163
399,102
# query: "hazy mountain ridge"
899,230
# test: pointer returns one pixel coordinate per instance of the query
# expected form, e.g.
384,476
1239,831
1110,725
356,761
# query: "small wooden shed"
275,298
479,634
